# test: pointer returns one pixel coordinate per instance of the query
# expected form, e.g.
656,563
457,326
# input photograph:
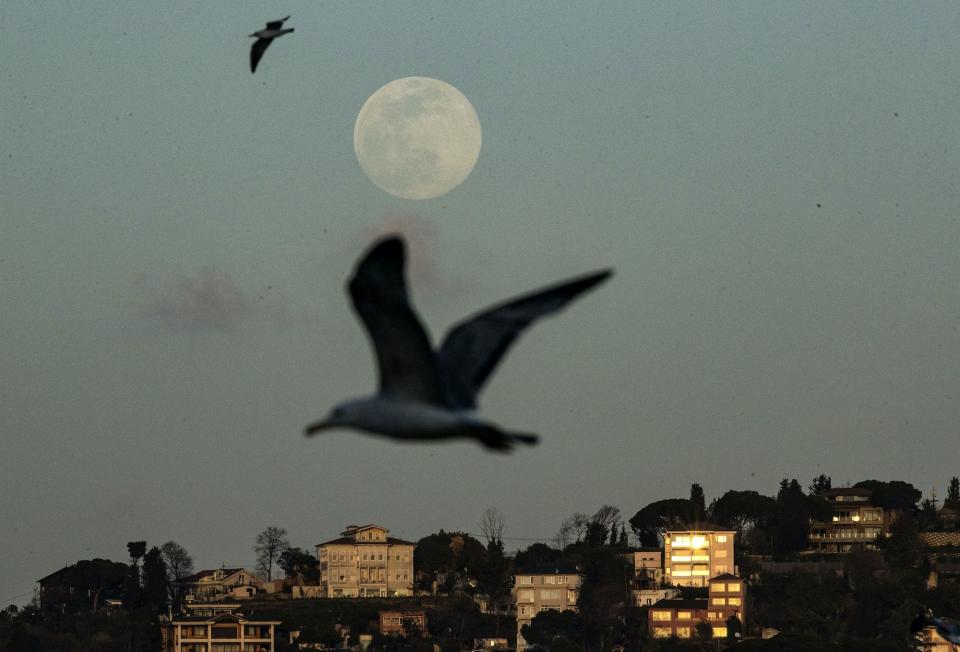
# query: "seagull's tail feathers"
495,439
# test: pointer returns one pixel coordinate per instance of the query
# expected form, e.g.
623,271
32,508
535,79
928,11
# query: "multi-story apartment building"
680,617
647,565
855,525
541,590
691,557
366,562
217,628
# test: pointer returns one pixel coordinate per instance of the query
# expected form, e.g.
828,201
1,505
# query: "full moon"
417,138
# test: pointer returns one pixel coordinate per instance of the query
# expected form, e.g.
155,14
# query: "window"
550,594
721,538
718,602
734,587
717,587
544,607
720,569
733,602
681,542
684,615
550,579
720,554
683,632
719,631
662,632
661,615
676,558
525,595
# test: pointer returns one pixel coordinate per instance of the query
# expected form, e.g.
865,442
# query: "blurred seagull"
426,394
946,627
264,38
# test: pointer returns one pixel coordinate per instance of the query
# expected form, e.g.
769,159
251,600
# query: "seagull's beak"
314,428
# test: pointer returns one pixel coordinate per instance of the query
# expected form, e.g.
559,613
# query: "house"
365,562
84,585
855,524
488,644
212,627
208,585
647,564
544,589
680,617
694,555
403,623
646,596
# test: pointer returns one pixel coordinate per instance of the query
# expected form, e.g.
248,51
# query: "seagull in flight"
264,38
428,394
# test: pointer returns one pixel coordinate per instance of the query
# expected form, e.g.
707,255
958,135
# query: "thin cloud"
208,301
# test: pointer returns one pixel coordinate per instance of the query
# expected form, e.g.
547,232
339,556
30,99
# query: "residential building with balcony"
680,617
218,583
211,627
855,525
544,589
647,565
365,562
691,557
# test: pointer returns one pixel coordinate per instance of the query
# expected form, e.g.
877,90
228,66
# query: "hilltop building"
679,617
365,562
692,556
855,525
541,590
217,626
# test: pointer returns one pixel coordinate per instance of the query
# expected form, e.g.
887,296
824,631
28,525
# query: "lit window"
661,615
719,631
662,632
718,602
733,602
721,538
733,588
676,558
717,587
683,632
684,615
700,541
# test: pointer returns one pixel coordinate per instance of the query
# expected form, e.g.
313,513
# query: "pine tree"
953,494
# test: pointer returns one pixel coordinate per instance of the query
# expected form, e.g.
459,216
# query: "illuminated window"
719,631
683,632
717,587
733,601
684,615
721,538
676,558
699,541
662,632
661,615
733,588
681,542
718,602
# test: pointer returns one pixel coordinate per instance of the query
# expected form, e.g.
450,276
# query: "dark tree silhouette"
270,545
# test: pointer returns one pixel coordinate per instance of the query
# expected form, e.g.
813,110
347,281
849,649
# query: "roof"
350,541
680,603
549,570
848,491
701,526
726,576
235,618
200,575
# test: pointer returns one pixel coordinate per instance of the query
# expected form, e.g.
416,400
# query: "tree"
270,545
548,626
895,494
698,506
820,485
491,525
734,628
953,494
704,630
537,555
299,566
133,592
156,587
179,565
903,549
574,527
652,521
742,510
795,510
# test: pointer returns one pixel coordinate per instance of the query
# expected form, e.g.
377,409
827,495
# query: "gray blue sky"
776,184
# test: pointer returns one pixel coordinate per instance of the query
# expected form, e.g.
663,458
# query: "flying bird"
428,394
948,628
264,38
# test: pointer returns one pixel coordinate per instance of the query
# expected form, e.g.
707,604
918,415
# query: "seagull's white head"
349,414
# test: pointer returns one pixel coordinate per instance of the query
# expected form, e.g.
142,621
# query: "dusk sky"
776,184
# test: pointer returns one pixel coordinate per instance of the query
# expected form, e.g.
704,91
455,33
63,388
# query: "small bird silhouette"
948,628
426,394
264,39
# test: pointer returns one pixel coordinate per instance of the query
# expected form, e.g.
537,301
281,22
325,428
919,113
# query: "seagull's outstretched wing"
277,24
472,349
256,51
407,364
